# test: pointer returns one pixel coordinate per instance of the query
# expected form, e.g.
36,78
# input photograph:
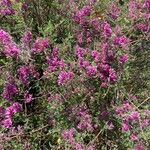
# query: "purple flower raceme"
133,9
114,11
85,11
143,26
11,50
7,123
146,4
54,62
134,137
5,37
122,41
10,47
134,116
112,75
123,58
96,55
10,90
80,52
6,7
25,72
40,45
9,113
83,63
125,126
80,15
27,38
28,97
107,31
95,23
139,146
91,70
64,77
68,134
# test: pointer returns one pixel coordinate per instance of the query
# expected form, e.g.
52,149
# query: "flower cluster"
40,45
6,7
10,47
131,118
9,113
10,90
65,76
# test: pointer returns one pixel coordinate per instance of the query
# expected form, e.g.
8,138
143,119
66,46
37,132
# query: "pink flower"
112,75
134,137
91,70
64,77
27,38
96,55
28,97
139,146
110,125
107,31
68,134
40,45
10,90
7,123
123,58
135,116
125,126
122,41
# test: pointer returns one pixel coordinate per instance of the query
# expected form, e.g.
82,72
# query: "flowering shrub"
67,79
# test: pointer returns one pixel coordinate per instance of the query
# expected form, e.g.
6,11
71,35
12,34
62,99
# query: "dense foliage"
74,74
